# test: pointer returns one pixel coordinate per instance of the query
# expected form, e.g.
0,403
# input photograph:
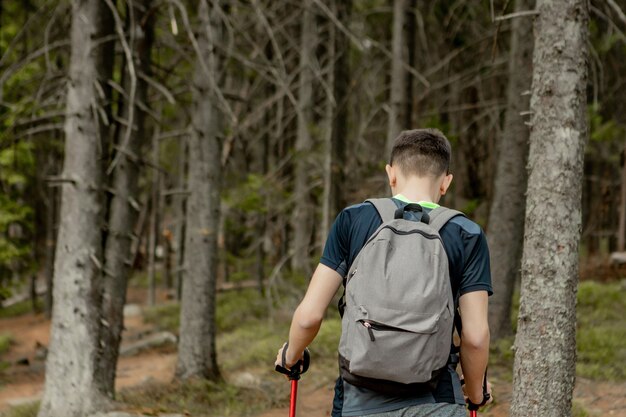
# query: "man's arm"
307,318
474,342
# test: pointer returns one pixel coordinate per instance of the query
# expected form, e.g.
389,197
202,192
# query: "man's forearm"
303,330
474,358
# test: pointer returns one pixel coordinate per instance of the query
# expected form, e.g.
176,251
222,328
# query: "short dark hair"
421,152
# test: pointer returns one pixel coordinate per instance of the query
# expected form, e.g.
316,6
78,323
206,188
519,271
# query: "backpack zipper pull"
369,330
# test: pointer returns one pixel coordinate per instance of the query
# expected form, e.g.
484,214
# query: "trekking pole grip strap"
298,368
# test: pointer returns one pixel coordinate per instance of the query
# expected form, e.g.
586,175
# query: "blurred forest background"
210,144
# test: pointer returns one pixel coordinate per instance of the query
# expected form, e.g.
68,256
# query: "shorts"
426,410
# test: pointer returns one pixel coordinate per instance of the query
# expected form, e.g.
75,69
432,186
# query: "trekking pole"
294,376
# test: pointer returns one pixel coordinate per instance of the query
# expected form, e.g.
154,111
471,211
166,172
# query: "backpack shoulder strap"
385,206
441,215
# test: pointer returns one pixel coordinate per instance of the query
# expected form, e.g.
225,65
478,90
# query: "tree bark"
73,388
545,346
302,218
621,230
124,209
506,216
50,247
397,95
411,34
180,217
335,158
197,355
153,228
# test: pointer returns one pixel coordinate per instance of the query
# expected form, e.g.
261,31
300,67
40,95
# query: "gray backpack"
399,308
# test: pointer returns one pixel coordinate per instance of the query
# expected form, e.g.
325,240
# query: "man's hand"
290,360
477,399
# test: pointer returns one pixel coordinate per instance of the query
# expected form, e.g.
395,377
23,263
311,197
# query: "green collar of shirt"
427,204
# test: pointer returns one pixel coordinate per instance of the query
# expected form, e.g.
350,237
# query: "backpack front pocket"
397,345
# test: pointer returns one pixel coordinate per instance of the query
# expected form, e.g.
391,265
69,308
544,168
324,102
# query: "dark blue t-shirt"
468,258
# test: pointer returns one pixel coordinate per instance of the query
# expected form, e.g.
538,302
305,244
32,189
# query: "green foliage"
601,130
578,410
19,309
233,308
197,398
164,317
5,342
250,344
16,217
327,340
601,331
25,410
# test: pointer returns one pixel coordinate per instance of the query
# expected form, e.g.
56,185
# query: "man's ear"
445,184
391,174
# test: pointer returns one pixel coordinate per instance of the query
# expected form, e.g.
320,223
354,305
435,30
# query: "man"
418,172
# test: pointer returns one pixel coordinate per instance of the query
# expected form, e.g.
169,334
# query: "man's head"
421,152
421,156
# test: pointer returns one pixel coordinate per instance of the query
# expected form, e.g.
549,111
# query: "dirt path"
22,383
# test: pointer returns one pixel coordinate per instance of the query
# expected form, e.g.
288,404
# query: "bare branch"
516,14
119,28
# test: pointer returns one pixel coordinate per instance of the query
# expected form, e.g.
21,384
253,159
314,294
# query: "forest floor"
23,383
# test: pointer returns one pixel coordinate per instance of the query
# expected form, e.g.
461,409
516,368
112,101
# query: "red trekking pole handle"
294,375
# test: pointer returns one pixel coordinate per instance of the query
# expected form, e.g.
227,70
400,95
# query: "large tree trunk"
545,346
302,218
196,351
621,230
50,247
73,387
335,158
179,216
397,95
506,216
125,206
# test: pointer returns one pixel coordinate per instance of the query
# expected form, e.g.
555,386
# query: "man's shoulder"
465,224
360,212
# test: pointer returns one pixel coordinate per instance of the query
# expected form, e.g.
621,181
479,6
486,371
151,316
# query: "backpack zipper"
402,232
371,325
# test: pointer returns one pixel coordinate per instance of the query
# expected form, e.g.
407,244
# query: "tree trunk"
124,209
302,218
180,217
621,230
336,152
506,216
50,247
73,388
411,34
397,96
153,231
545,346
196,351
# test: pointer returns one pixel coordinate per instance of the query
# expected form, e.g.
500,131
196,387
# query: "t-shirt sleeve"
337,246
476,275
